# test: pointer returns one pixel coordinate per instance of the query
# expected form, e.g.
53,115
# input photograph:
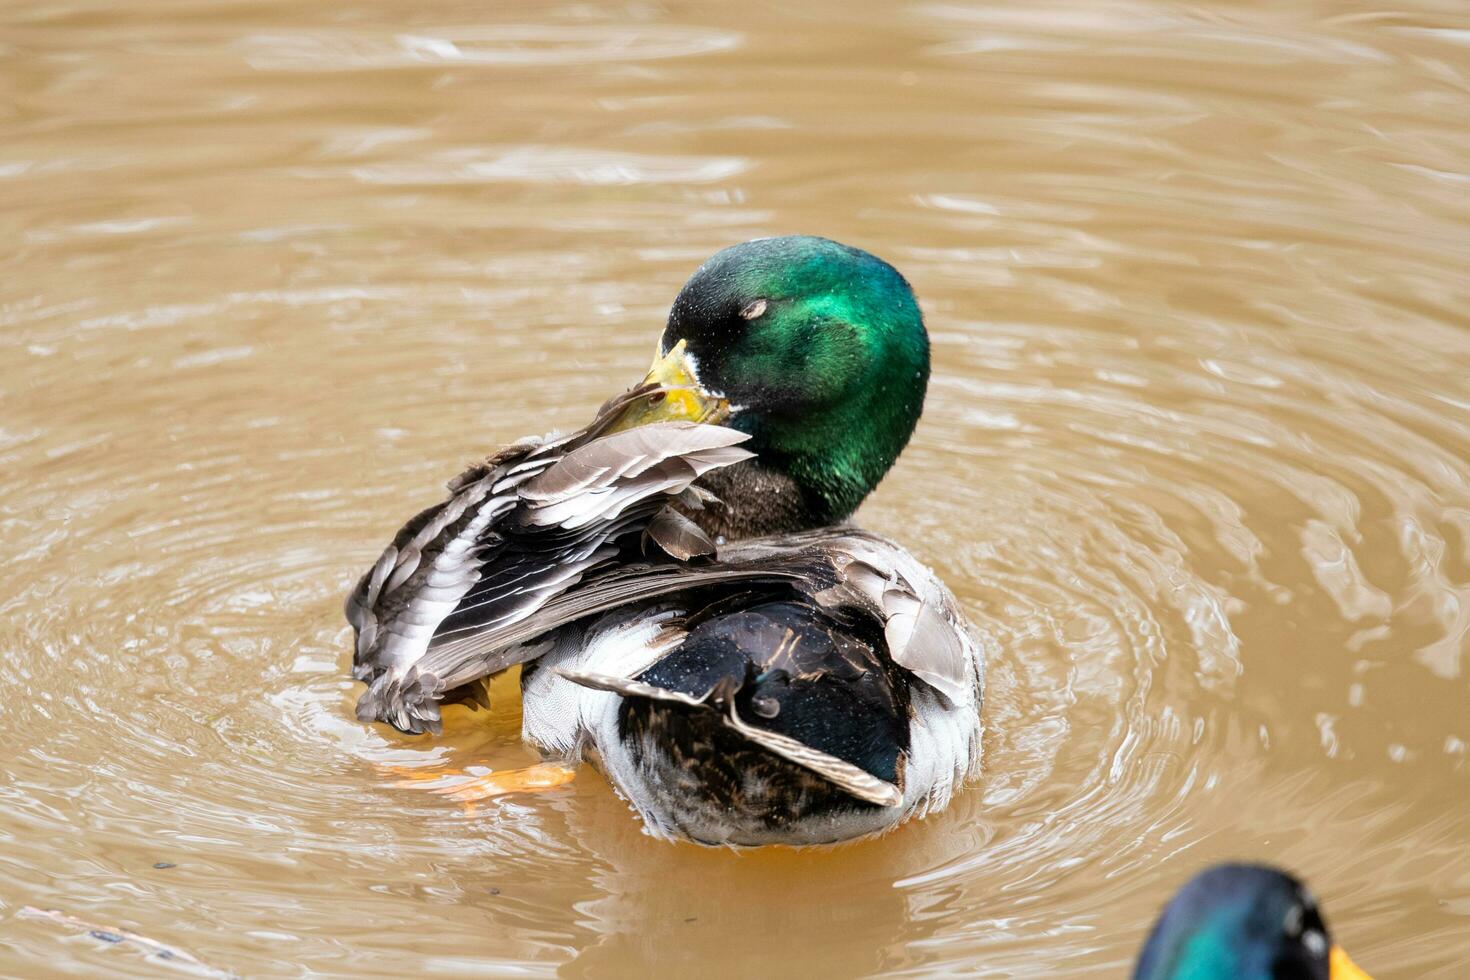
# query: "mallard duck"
1243,922
693,613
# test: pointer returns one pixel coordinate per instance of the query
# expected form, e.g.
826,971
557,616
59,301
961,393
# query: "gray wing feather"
516,532
464,659
629,453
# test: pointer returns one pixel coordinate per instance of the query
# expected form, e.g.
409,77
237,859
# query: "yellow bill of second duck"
1343,968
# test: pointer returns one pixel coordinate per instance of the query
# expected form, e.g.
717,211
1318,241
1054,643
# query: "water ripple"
504,45
1194,460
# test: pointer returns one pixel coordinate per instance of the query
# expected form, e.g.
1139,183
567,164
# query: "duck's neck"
754,501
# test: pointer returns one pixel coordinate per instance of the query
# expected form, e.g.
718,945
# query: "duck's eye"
1293,924
753,309
1303,924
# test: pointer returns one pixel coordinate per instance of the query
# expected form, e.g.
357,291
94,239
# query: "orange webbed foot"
466,788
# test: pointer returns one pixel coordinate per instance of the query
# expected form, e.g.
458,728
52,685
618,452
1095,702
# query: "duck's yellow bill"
1340,967
678,397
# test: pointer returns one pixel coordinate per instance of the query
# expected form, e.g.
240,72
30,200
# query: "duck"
692,610
1243,921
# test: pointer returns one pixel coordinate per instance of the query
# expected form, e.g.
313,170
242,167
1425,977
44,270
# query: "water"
1194,459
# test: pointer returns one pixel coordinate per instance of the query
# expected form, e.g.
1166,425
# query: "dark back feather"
797,670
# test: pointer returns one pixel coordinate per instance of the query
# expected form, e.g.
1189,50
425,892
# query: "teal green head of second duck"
1243,922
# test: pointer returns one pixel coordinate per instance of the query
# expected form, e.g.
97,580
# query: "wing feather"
516,533
533,540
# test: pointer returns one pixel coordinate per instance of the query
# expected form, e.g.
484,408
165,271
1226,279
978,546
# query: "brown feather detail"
629,688
748,500
678,536
839,772
924,631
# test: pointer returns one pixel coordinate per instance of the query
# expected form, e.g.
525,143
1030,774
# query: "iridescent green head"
1243,922
821,351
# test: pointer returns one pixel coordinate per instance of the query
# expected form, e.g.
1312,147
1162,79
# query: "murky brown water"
1195,458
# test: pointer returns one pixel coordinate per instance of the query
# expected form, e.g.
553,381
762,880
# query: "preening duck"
694,615
1243,922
